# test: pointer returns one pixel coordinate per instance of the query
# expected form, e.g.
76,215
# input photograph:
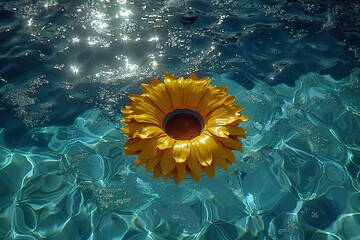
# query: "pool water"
67,68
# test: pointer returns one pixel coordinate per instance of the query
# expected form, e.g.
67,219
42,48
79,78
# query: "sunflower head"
183,126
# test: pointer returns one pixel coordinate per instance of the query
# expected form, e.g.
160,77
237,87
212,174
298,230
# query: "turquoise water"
67,67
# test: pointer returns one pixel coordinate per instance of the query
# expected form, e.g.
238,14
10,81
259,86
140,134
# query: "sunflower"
182,126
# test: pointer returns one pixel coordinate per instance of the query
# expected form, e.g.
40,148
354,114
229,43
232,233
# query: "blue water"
67,67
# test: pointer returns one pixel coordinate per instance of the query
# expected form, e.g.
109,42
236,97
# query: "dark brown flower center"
183,124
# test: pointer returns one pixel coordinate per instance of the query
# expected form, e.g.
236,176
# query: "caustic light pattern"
182,126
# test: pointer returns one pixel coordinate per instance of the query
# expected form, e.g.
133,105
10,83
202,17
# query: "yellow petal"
220,131
176,177
145,87
165,142
144,105
204,79
193,164
217,147
172,85
141,130
181,151
167,176
131,142
157,171
215,101
196,178
193,77
219,112
126,130
200,146
221,121
167,161
235,108
211,101
126,111
145,118
240,118
154,161
126,120
149,149
128,106
203,102
231,143
196,93
155,82
140,162
138,146
185,88
244,118
127,151
179,172
218,89
221,162
130,129
210,170
135,97
226,111
229,100
230,155
238,131
159,96
148,132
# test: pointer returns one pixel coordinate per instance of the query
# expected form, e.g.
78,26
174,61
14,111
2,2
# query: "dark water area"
67,68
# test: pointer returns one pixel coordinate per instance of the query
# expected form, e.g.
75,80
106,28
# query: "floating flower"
182,126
